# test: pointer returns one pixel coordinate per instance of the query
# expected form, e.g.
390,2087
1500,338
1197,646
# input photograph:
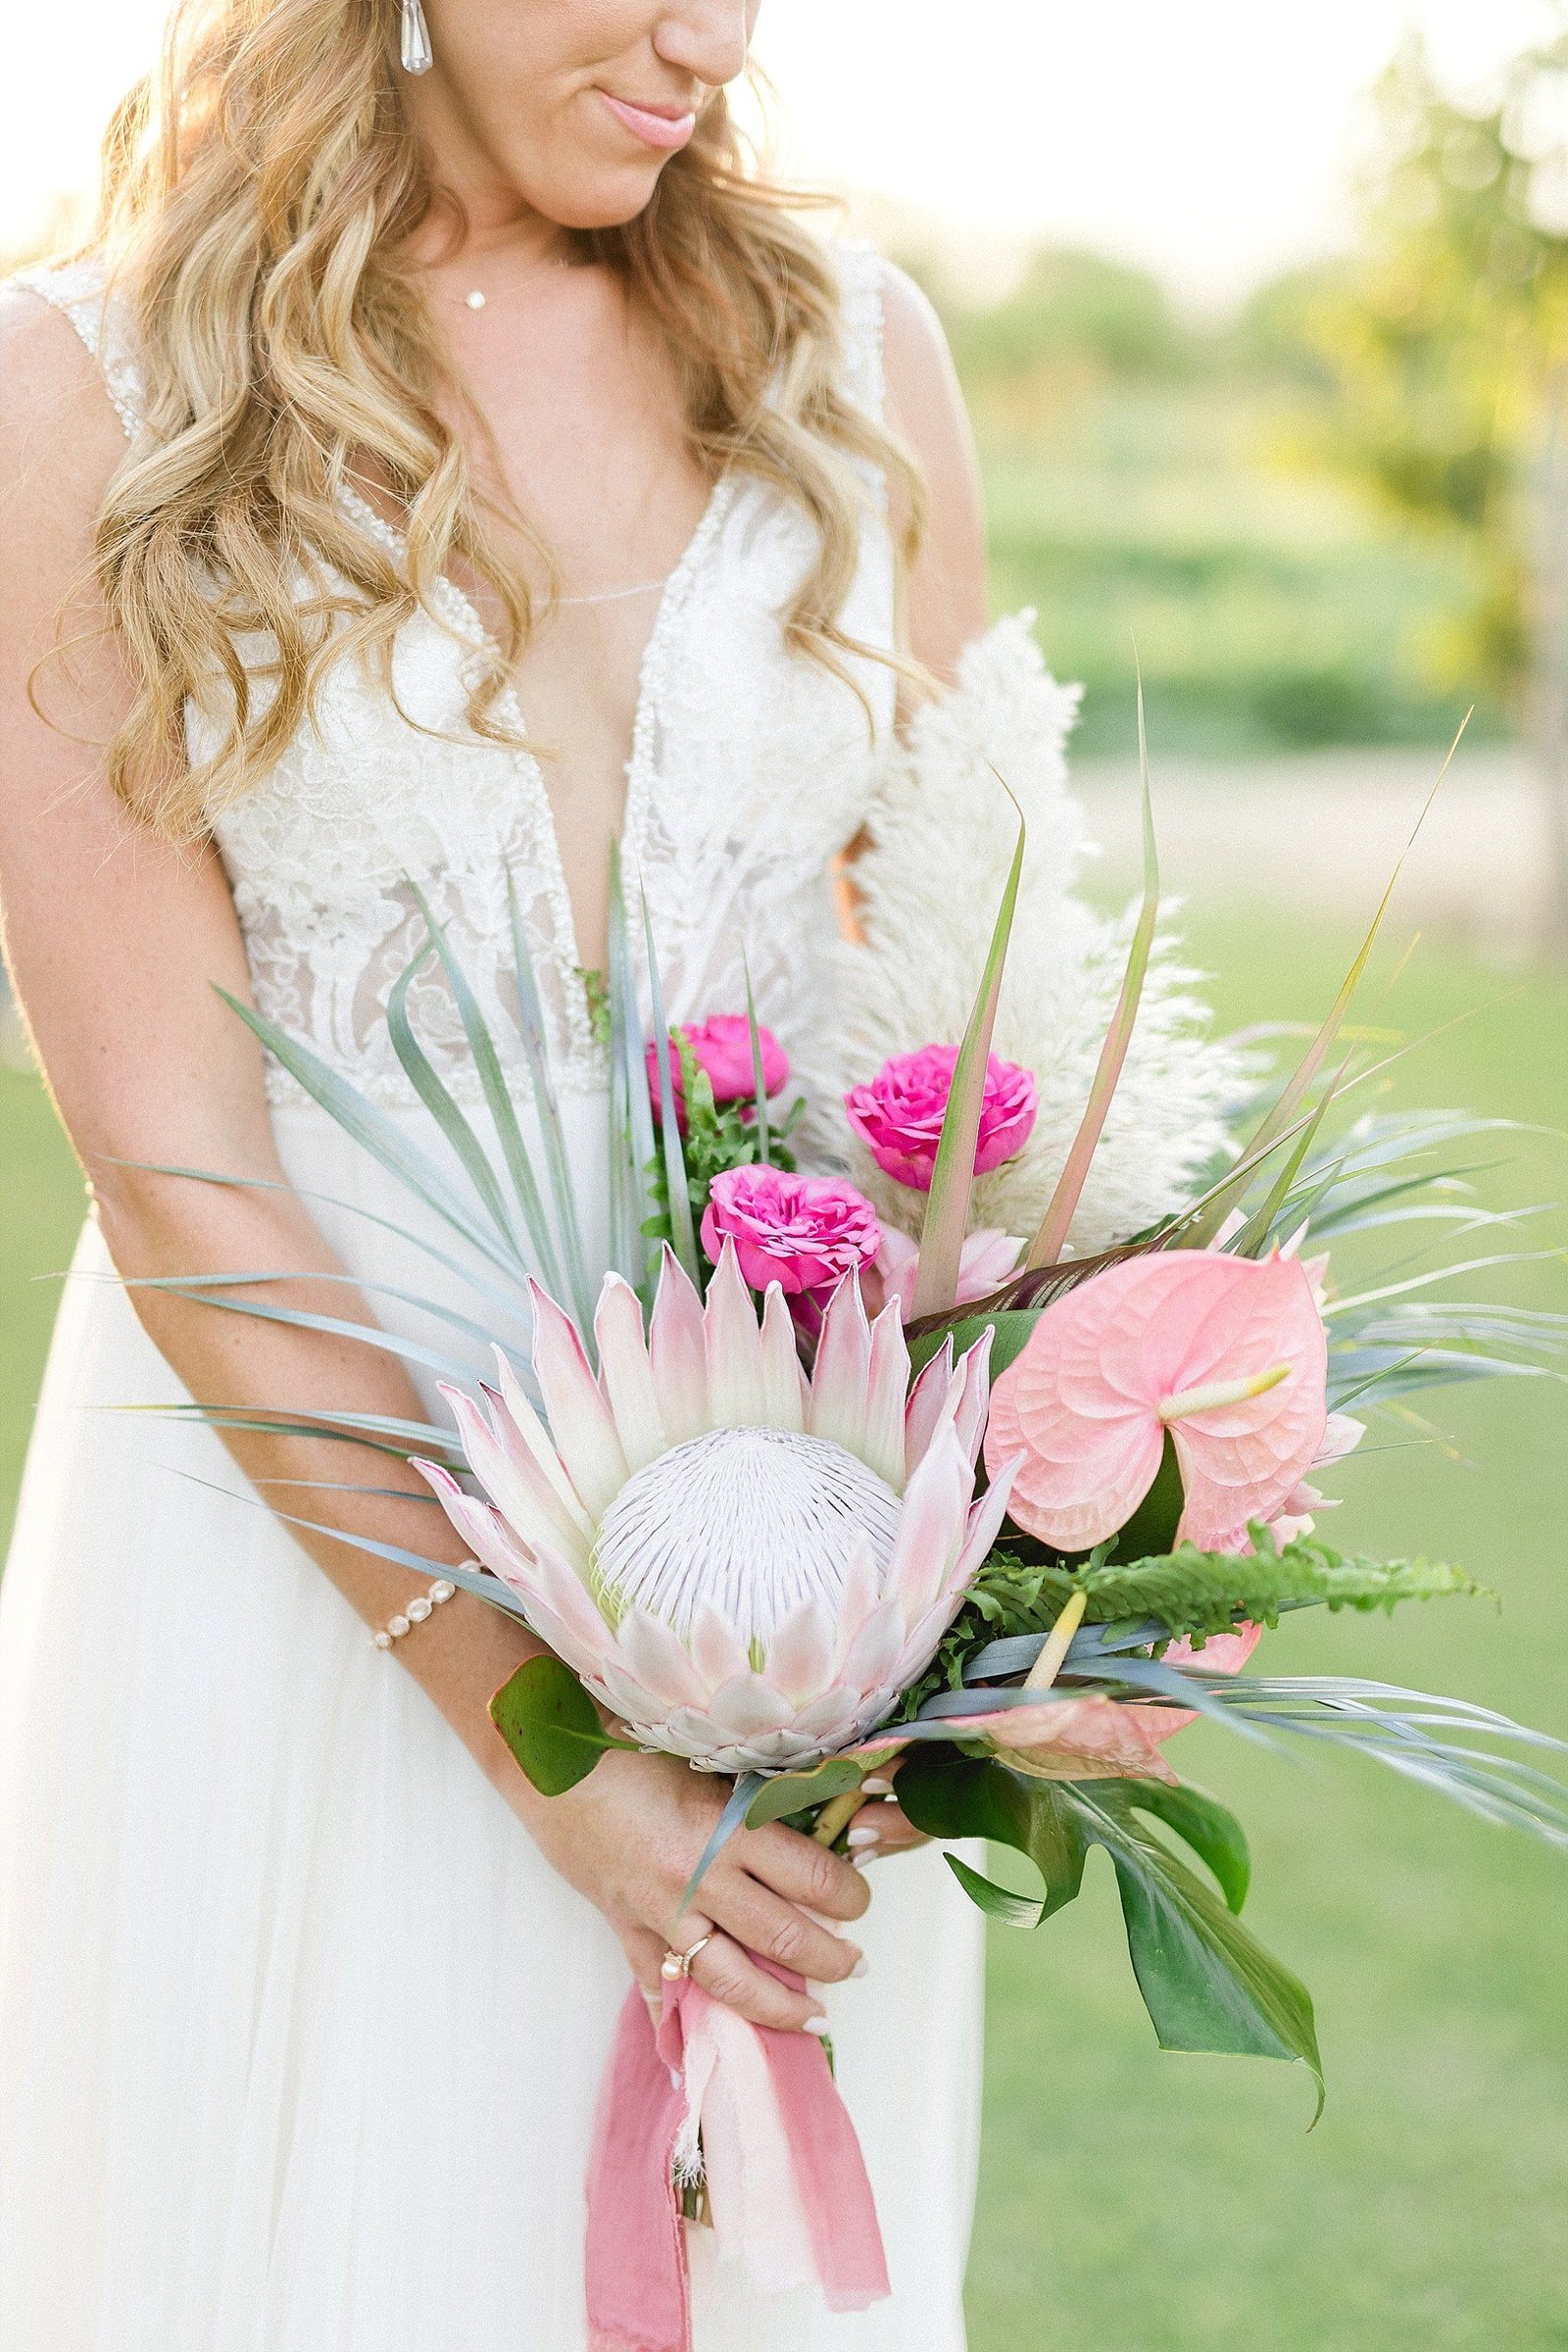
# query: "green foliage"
1191,1593
551,1725
1207,1985
719,1136
789,1793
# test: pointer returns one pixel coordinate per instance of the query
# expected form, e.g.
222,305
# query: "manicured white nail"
876,1785
817,2026
863,1835
861,1966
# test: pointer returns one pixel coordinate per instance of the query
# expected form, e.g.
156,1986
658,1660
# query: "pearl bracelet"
415,1614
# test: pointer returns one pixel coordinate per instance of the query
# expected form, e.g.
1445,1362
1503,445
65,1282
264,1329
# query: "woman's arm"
114,941
945,595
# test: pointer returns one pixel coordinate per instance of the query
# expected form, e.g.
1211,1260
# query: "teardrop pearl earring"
415,39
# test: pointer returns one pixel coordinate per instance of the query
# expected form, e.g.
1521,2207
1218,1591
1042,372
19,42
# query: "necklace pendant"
474,300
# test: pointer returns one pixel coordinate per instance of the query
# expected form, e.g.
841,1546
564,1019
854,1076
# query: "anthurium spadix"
745,1564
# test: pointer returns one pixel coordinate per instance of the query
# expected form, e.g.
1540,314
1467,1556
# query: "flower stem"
837,1815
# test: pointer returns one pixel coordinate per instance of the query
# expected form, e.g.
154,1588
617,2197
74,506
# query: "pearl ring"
677,1964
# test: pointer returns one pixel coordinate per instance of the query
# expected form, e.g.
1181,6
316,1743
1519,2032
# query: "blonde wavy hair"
259,192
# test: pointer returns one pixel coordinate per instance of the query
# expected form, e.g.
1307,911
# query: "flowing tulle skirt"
299,2035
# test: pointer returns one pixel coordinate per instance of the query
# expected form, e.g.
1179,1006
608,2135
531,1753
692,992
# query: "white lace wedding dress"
299,2035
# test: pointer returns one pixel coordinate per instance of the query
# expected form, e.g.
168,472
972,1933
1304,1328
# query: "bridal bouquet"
985,1464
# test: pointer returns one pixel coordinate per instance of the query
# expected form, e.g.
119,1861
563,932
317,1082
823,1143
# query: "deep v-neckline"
456,610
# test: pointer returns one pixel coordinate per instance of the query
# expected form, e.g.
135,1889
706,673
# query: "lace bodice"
751,767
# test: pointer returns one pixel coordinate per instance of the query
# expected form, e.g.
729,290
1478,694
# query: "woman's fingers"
882,1829
645,1955
800,1871
764,1922
724,1969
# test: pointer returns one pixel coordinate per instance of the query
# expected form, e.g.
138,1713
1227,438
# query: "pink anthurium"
1227,1355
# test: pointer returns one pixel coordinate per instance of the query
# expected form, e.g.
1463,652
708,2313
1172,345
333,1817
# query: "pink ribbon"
636,2277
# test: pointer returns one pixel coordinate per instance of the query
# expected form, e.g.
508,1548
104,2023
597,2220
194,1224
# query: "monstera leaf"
1207,1983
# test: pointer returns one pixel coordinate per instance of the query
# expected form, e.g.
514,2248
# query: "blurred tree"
1072,309
1447,343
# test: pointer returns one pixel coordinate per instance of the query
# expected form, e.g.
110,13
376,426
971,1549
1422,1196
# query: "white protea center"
744,1566
753,1521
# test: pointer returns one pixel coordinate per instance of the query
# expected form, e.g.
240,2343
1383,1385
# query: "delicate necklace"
477,299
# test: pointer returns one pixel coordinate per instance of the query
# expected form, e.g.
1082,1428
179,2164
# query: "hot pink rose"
723,1048
805,1233
899,1115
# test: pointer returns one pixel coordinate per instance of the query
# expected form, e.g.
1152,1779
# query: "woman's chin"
602,200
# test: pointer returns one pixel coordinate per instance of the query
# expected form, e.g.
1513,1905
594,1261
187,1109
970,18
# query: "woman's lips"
655,128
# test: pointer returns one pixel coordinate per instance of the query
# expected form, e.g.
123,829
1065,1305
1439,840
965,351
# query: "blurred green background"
1312,519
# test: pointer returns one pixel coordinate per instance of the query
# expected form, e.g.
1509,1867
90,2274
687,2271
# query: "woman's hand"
881,1827
629,1836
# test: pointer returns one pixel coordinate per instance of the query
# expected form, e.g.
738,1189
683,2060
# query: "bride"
448,460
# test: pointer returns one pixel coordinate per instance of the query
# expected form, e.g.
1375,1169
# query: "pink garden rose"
899,1115
723,1048
805,1233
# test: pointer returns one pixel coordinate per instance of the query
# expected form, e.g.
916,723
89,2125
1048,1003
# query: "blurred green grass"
1135,2202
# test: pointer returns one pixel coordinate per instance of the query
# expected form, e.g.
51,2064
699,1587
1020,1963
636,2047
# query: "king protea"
745,1565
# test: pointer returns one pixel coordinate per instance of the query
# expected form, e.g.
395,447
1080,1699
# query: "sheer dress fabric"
299,2035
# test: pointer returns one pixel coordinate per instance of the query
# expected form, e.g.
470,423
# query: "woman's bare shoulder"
60,439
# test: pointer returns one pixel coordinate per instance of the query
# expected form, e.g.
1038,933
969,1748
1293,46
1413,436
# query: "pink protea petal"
785,1393
748,1706
843,1370
647,1650
622,1691
800,1653
861,1594
928,1400
677,1353
581,1421
970,1415
569,1603
829,1719
513,1480
480,1526
984,1526
716,1650
931,1527
888,1387
873,1655
531,1434
734,1342
627,1373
